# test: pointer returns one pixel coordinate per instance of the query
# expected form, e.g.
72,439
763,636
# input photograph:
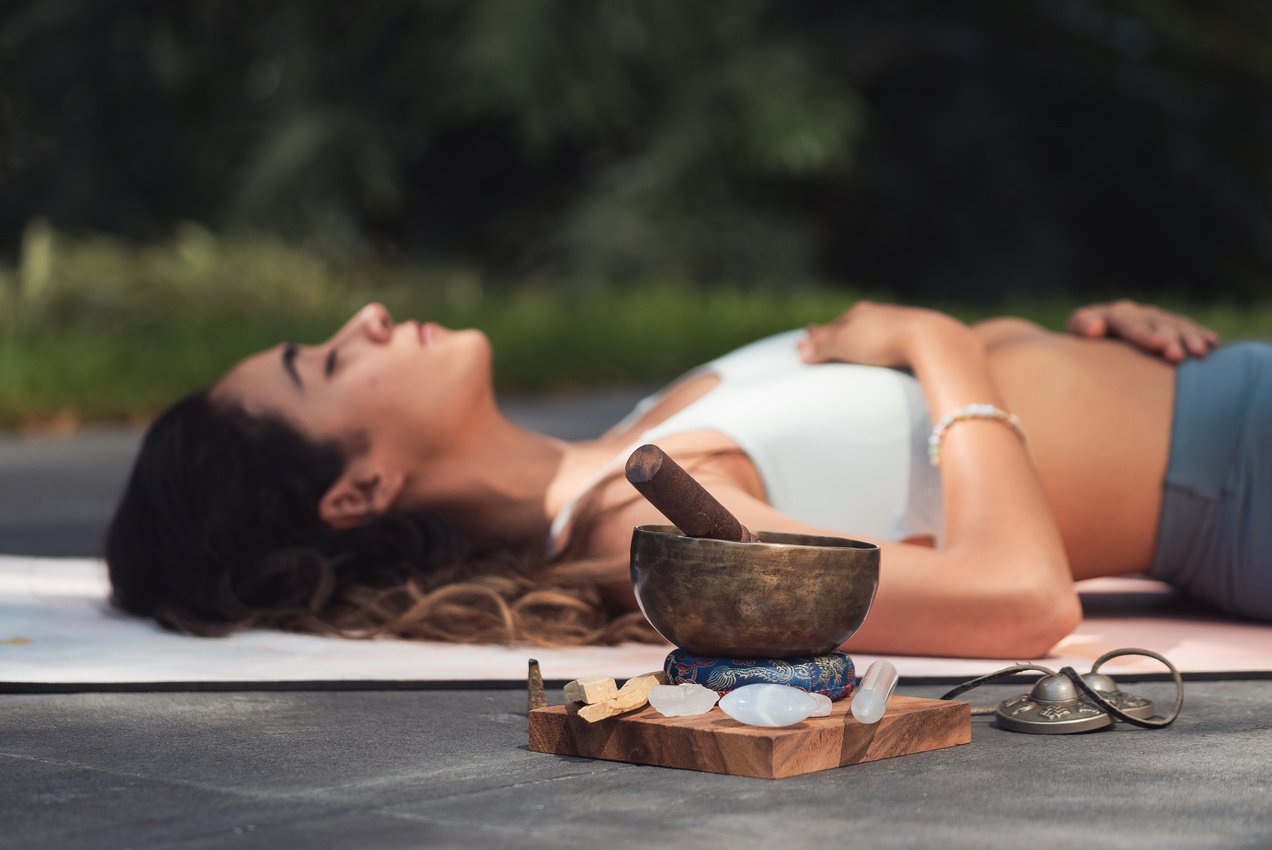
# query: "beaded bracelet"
971,411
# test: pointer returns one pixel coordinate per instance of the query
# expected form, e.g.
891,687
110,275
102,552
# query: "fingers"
813,346
1173,336
1176,340
818,343
1088,322
1196,337
1169,335
1146,327
1171,350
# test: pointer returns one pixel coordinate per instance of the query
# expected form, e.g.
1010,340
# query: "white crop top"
839,446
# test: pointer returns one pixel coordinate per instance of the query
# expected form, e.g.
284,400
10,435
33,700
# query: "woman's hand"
871,334
1152,329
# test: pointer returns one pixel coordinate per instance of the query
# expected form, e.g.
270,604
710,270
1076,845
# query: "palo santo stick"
599,711
635,691
633,695
591,689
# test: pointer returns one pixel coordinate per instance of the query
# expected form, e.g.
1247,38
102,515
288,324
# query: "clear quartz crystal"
772,705
682,700
871,698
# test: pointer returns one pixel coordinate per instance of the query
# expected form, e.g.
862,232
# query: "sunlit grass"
97,329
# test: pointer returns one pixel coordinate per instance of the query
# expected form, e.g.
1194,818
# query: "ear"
363,492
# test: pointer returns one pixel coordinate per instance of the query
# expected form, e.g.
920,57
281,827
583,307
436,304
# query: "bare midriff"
1098,416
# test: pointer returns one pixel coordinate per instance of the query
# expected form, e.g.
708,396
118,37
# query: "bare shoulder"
617,509
671,400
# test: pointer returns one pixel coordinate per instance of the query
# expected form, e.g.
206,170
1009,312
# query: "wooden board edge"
789,752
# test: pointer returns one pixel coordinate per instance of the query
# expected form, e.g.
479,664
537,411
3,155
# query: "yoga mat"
58,630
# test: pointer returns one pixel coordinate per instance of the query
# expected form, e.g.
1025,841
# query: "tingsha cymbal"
1055,706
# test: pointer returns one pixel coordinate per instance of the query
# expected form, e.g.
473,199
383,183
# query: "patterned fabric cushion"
831,674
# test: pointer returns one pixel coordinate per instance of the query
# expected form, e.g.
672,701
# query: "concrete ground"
451,768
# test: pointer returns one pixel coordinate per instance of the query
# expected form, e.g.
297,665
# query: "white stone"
870,700
682,700
823,705
772,705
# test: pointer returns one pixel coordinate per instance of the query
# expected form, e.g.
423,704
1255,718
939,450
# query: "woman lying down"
370,486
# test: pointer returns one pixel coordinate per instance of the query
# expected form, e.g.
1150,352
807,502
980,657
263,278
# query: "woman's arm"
1000,585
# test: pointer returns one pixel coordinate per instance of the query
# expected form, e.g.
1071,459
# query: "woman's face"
399,386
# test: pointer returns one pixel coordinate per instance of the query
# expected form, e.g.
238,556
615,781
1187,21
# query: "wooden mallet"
666,485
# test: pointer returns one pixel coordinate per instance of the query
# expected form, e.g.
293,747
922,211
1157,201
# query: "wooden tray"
713,742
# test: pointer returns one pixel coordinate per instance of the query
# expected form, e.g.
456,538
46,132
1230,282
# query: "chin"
472,345
474,361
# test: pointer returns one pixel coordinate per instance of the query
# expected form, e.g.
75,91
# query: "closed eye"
329,365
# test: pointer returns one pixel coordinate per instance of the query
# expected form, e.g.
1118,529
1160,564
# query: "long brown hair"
218,531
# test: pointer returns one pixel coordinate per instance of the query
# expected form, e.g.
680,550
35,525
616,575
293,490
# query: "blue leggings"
1215,537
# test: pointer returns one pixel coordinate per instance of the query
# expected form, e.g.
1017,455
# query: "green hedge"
103,329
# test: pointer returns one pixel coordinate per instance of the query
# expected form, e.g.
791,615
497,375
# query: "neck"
505,481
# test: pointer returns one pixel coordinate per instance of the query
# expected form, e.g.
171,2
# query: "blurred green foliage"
614,189
102,328
961,151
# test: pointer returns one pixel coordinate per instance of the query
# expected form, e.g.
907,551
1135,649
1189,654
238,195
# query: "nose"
376,322
372,322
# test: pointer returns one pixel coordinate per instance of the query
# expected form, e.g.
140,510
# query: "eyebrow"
290,350
329,365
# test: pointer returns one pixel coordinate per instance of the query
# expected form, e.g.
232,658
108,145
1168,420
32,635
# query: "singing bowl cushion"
831,674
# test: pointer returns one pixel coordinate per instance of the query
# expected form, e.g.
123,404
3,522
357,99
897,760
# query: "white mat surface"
57,628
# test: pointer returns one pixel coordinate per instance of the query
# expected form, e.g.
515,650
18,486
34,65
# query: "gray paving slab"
452,769
56,494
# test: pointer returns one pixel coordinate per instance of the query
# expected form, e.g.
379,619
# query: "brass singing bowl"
788,595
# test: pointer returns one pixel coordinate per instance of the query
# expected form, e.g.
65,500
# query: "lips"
426,332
